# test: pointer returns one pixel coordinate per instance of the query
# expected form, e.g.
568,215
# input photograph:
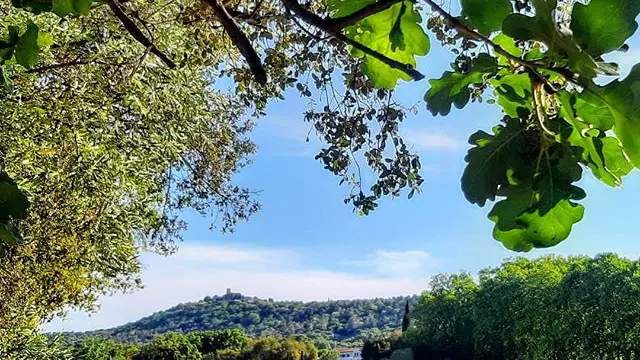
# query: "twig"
462,28
137,34
240,40
140,60
326,26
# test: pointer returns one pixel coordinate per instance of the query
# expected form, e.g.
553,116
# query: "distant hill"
337,320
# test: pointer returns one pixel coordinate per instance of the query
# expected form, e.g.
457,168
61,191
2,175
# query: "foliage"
449,305
109,164
13,206
28,344
100,348
529,60
208,342
548,308
229,345
335,320
328,354
169,347
137,132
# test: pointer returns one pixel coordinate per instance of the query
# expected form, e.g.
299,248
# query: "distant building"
349,354
230,295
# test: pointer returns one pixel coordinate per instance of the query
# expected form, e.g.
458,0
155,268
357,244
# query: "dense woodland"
201,345
550,308
341,321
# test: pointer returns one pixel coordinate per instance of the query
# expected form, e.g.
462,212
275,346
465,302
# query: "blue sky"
305,244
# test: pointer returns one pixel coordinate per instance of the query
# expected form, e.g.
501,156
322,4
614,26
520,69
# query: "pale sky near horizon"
305,244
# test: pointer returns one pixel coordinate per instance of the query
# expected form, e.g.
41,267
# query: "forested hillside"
338,320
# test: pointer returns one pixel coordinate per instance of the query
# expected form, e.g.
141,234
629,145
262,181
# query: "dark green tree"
169,347
405,318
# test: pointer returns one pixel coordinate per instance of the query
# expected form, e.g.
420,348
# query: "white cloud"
432,141
198,271
411,263
402,262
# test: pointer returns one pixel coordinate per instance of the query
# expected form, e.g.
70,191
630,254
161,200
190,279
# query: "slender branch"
407,69
461,27
240,40
371,9
531,66
325,25
137,34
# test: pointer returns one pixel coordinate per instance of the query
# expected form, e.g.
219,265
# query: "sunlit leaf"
453,87
396,33
513,92
66,7
602,26
541,212
542,27
602,154
483,17
622,99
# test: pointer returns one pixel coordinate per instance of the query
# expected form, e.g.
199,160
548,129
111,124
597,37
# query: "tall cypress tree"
405,319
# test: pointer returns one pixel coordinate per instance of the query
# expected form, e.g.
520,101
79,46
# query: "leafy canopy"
136,134
542,75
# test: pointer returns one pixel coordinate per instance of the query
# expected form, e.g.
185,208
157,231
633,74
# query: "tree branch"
371,9
137,34
326,26
532,67
240,40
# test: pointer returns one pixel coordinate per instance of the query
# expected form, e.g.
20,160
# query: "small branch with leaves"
137,34
532,67
335,26
239,39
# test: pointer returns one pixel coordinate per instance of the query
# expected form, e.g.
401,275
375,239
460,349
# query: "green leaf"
490,160
541,213
508,45
339,8
453,87
4,78
542,28
622,100
34,6
603,26
45,40
8,45
66,7
486,19
602,154
513,92
396,33
9,235
26,50
13,203
592,110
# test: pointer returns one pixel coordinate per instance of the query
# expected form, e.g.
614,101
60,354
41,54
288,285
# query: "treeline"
343,320
551,308
201,345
